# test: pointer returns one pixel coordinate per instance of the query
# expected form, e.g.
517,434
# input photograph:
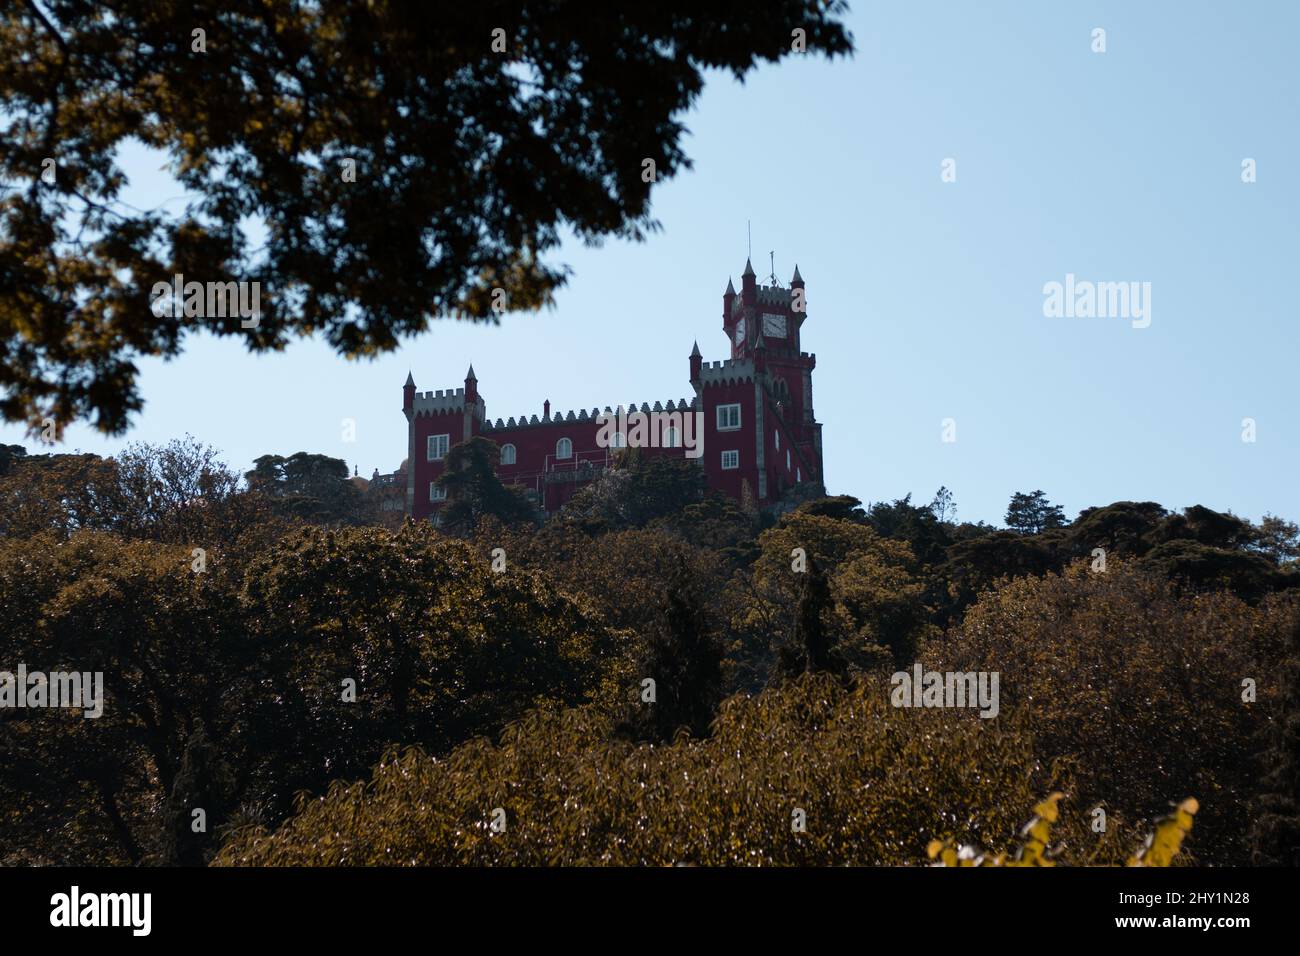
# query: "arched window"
777,436
507,454
563,449
671,438
618,441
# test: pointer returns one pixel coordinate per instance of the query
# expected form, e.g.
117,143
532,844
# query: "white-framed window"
507,454
438,445
563,449
728,418
730,460
437,493
671,438
777,437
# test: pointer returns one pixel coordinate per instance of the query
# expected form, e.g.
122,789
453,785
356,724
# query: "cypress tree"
684,658
1275,836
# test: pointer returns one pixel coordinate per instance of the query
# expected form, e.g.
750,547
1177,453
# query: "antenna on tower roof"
749,241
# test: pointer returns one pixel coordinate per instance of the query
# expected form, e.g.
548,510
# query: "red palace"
751,424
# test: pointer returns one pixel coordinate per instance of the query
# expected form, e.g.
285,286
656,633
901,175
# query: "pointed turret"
748,284
798,302
471,386
728,300
408,394
696,362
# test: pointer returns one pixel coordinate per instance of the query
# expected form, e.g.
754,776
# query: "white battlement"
730,370
441,401
594,415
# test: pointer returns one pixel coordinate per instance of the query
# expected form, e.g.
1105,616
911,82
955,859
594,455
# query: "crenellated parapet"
780,353
563,418
773,295
728,372
442,401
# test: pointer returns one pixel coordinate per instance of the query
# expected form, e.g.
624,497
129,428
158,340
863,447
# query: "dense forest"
657,674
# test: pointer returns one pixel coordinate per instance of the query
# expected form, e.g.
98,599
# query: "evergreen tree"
1275,837
918,525
1032,513
10,455
474,491
312,487
943,507
201,784
839,507
683,656
811,647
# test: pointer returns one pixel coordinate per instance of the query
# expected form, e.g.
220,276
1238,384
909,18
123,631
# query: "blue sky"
925,298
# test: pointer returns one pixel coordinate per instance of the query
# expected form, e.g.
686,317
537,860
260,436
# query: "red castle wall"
748,377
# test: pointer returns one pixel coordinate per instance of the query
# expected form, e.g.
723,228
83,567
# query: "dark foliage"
406,166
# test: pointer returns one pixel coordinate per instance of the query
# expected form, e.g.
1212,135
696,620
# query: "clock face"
740,332
774,325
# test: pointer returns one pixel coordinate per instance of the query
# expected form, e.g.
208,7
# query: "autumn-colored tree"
169,643
1136,682
60,494
374,637
874,608
863,779
179,492
1277,539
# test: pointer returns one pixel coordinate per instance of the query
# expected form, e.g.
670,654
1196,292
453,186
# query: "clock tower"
764,323
772,311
